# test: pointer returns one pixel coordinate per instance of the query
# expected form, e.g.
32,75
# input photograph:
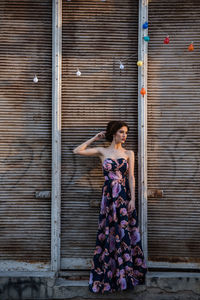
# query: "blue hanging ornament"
146,38
145,25
121,65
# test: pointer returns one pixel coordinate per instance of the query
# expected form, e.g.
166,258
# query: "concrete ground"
159,286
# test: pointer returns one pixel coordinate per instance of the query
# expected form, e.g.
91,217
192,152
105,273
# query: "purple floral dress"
118,262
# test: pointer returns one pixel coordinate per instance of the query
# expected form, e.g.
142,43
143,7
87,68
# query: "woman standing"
118,262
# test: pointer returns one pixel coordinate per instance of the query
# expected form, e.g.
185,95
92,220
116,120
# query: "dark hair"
113,127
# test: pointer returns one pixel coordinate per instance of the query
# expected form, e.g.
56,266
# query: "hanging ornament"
145,25
78,73
191,47
121,65
140,63
143,91
35,79
146,38
166,40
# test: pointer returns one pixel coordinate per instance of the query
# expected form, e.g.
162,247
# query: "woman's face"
121,134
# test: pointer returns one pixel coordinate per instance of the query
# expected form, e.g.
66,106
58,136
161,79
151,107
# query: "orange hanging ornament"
143,91
191,47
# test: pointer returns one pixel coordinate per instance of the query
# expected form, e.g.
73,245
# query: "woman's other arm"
132,179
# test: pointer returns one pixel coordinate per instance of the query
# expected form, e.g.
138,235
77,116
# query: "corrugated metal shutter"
25,126
173,131
96,34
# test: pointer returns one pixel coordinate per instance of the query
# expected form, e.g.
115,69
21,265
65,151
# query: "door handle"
155,193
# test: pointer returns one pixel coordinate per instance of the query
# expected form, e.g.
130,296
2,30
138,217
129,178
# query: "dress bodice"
115,169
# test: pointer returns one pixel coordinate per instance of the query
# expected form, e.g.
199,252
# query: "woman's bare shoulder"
130,154
102,151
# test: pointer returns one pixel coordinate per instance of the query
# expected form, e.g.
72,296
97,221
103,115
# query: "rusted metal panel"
25,114
95,36
173,134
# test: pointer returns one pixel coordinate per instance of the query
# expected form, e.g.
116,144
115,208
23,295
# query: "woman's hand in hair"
99,136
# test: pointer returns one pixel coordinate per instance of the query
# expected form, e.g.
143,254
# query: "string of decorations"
122,59
121,64
165,41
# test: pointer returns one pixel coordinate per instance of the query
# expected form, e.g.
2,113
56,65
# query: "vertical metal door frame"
142,124
56,134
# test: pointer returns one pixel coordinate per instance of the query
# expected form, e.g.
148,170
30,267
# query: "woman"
118,262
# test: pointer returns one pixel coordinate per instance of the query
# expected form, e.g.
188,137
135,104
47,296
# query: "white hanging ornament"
121,65
35,79
78,73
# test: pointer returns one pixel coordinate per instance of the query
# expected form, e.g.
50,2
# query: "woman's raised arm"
81,149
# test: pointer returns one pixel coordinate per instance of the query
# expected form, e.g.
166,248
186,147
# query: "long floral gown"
118,262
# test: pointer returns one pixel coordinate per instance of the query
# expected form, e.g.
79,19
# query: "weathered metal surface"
96,35
25,126
173,134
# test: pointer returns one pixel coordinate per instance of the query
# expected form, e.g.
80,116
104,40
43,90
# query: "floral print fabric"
118,262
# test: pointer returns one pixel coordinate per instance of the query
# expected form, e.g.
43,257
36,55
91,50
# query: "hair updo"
113,127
